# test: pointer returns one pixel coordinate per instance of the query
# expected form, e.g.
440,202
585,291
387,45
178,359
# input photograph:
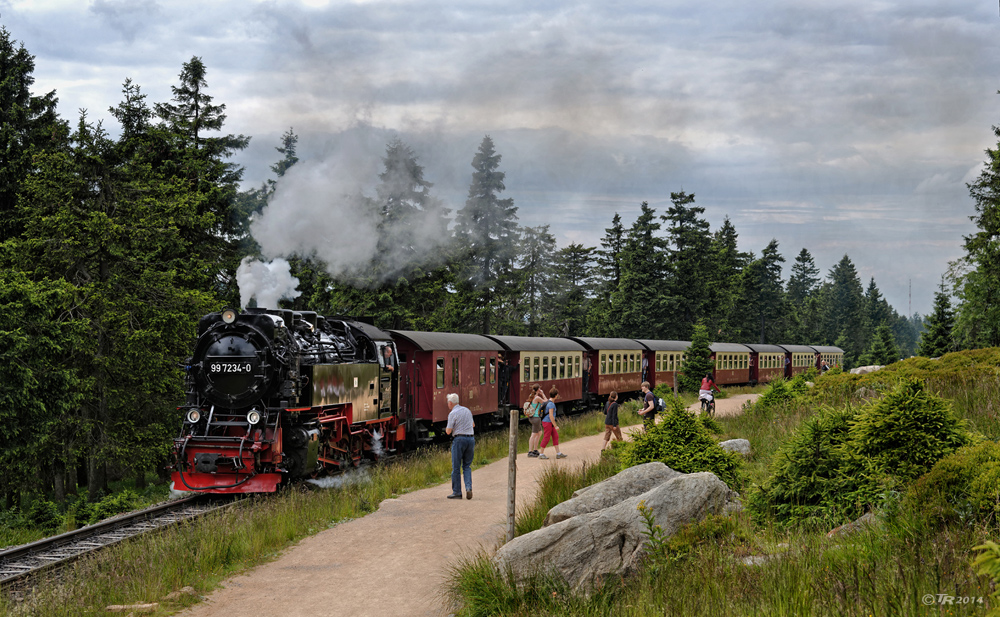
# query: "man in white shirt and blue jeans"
463,445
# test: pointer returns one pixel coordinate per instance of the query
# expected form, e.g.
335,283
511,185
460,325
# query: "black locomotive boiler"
274,395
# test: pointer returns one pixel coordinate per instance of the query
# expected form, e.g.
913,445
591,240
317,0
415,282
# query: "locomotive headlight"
229,316
193,416
253,417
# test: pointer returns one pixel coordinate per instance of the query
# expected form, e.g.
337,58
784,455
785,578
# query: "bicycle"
708,405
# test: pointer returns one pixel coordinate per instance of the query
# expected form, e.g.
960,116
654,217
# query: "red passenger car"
732,363
767,362
549,362
616,365
798,359
434,364
665,359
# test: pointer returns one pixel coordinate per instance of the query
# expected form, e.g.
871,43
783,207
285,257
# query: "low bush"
683,443
841,463
44,515
125,501
963,487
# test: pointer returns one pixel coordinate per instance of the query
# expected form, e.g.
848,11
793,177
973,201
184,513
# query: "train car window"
493,370
538,370
454,372
618,363
482,371
604,364
562,367
576,362
545,367
527,369
440,372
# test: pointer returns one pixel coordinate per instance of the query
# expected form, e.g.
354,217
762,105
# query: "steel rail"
21,563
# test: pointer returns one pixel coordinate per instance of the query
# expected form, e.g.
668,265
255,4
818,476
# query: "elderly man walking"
463,445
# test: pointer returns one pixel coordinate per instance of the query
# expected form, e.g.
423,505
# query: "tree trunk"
59,480
140,478
97,478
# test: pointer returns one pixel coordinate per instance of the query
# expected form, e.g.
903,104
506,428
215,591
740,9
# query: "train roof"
608,343
797,348
447,341
826,349
729,347
767,348
371,331
531,343
653,345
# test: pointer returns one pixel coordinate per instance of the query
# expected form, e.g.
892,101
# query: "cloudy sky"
843,127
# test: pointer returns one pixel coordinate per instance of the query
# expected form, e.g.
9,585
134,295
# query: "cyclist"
705,393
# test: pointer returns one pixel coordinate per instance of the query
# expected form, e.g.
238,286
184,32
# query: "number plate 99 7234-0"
230,367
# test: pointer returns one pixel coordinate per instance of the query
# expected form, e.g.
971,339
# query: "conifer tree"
844,308
573,282
28,126
804,278
486,232
690,263
535,267
608,278
697,359
937,339
977,284
637,304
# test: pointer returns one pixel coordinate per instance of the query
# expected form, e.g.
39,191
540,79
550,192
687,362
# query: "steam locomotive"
275,395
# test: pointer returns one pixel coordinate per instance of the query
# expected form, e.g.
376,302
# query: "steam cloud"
268,282
319,210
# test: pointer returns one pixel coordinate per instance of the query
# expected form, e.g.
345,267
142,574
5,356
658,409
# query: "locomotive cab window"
440,372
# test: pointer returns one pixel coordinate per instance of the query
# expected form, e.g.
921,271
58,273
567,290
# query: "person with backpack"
611,420
549,425
533,410
648,412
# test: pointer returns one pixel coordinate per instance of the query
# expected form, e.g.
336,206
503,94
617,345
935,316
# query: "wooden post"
511,470
675,384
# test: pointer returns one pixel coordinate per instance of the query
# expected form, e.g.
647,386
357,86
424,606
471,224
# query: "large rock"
739,446
864,370
627,483
589,547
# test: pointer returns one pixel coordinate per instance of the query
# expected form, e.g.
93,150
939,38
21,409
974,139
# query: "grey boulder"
627,483
587,548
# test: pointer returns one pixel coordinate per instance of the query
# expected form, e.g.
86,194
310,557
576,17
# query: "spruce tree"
637,305
804,278
978,286
28,126
689,261
937,339
843,311
486,233
697,359
574,284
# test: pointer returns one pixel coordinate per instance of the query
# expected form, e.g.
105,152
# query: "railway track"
23,563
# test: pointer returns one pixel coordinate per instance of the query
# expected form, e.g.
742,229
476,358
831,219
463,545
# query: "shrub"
962,487
904,433
841,463
125,501
682,443
44,514
806,481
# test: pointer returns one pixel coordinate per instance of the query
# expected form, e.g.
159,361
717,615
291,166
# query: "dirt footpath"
396,560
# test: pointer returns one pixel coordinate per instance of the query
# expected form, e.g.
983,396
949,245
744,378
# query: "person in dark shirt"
611,420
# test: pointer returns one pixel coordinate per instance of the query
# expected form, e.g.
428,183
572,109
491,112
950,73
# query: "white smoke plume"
268,282
322,209
347,478
377,448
